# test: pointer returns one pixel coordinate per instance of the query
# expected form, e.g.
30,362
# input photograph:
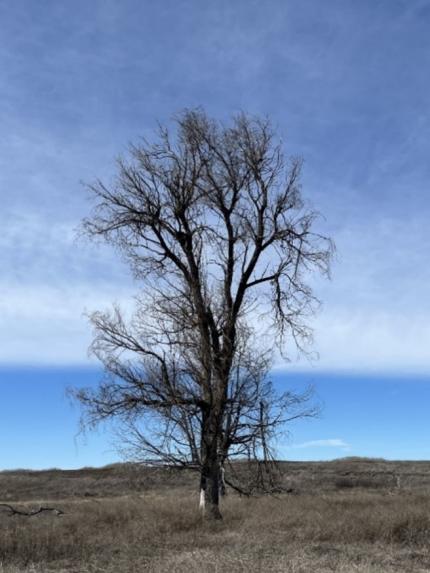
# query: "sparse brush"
371,530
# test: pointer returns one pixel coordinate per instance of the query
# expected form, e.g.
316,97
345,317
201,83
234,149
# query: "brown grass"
321,529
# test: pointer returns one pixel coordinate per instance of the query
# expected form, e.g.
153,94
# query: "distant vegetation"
360,459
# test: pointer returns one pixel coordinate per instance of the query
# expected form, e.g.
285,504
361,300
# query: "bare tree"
212,222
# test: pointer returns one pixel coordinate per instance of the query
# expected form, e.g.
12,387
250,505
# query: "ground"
349,515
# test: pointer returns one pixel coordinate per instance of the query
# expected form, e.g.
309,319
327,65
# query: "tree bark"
212,491
222,488
210,473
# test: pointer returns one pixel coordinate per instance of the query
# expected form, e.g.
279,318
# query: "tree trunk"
210,491
222,488
210,472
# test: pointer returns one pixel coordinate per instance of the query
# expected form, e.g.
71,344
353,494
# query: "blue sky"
346,83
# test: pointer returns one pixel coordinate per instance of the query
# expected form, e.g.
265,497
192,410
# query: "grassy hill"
347,515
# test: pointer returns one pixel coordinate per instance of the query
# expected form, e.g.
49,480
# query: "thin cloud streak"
329,443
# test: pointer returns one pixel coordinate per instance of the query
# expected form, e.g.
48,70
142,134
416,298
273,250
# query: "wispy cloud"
78,85
328,443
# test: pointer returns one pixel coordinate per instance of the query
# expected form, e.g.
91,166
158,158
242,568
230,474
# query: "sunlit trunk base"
210,495
202,501
208,510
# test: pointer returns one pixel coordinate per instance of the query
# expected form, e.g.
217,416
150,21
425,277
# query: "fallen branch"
237,488
251,491
14,511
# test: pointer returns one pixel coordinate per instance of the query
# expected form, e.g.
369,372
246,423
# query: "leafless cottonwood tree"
212,222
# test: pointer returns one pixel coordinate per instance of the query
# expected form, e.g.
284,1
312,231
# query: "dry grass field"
345,516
